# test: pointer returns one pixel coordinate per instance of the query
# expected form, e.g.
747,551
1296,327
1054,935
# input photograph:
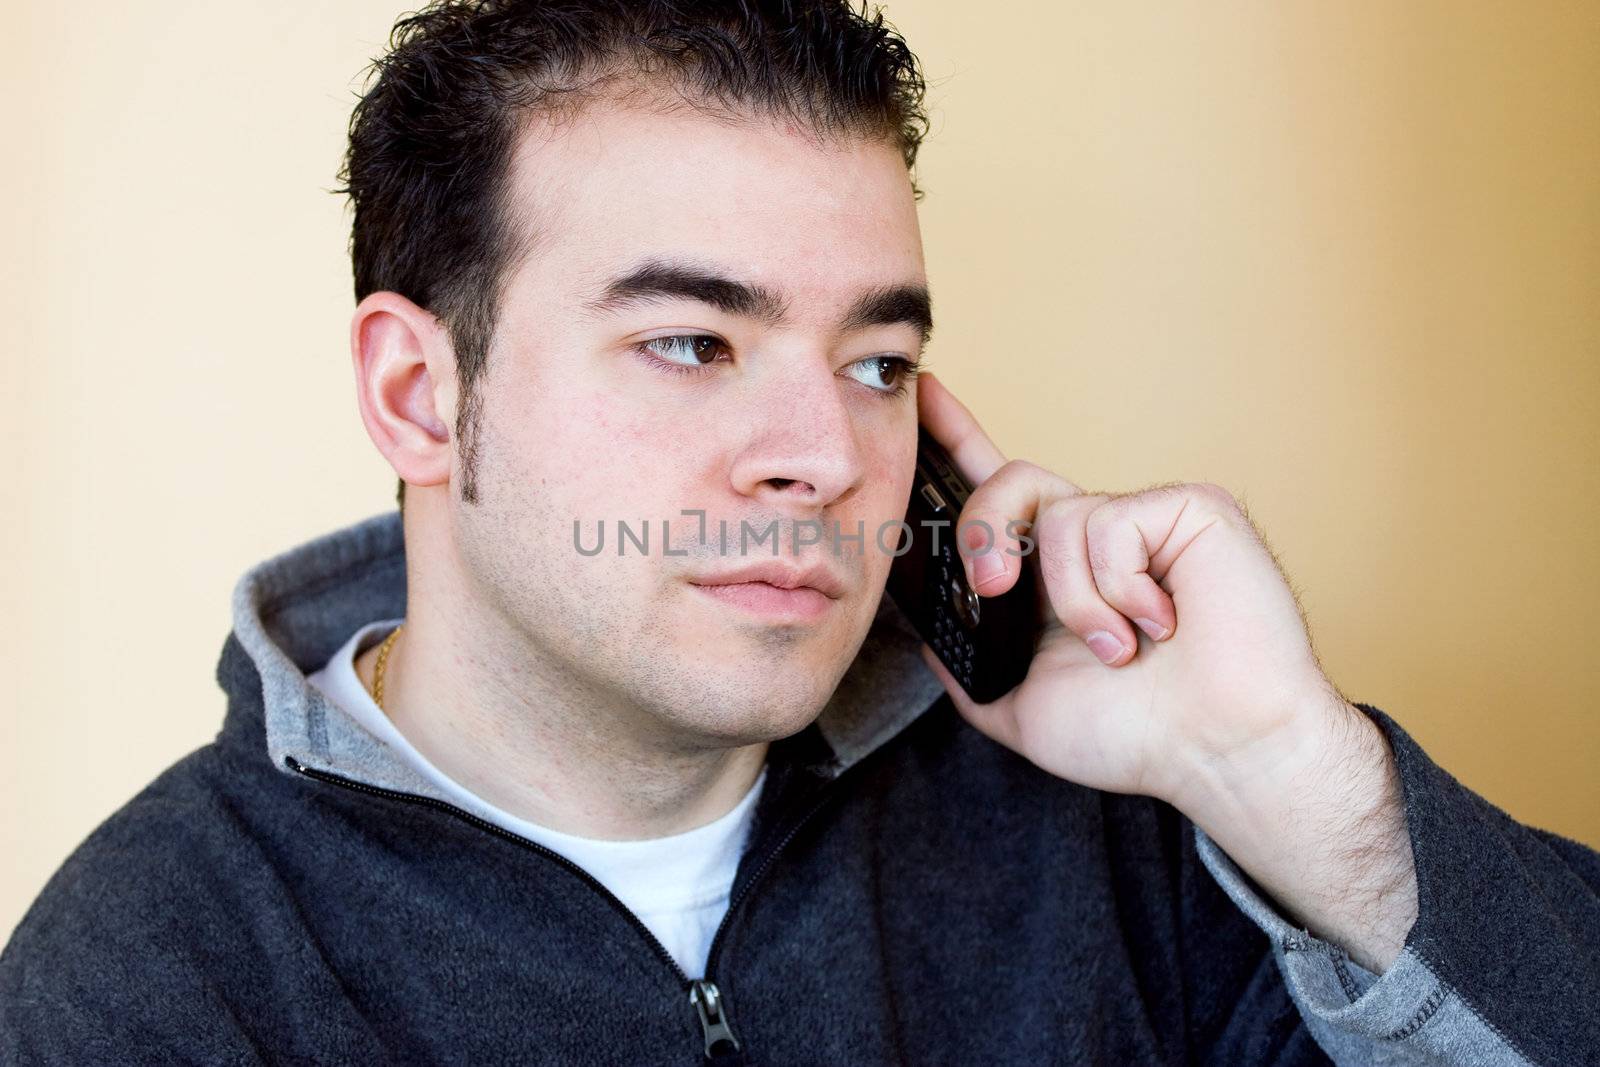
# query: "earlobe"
405,375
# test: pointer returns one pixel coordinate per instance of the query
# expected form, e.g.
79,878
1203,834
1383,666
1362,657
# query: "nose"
802,454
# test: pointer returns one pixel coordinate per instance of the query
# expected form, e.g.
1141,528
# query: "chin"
747,714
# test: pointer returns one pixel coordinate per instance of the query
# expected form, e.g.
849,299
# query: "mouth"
803,603
775,590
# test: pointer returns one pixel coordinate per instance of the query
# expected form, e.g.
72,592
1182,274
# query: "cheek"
888,472
612,463
888,481
547,449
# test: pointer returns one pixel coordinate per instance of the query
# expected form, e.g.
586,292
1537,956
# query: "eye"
885,374
686,351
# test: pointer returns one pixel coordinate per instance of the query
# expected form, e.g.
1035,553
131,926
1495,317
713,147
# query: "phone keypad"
950,638
955,650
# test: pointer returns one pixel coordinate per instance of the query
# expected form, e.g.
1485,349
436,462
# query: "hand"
1175,663
1173,647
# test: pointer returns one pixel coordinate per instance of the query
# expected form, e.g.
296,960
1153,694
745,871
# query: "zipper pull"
707,1003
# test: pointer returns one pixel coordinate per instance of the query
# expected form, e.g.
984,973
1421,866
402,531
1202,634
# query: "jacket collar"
291,613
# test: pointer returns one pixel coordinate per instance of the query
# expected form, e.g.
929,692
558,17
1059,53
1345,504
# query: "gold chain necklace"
382,662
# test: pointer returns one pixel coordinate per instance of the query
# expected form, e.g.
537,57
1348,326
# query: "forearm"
1501,963
1318,822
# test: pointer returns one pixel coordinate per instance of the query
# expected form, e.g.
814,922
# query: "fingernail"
1151,627
1107,647
986,568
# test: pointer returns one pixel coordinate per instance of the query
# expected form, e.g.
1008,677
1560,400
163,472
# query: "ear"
405,385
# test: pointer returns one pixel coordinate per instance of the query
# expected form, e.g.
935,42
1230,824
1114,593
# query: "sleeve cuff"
1406,1016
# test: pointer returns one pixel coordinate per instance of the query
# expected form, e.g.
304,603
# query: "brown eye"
886,374
686,349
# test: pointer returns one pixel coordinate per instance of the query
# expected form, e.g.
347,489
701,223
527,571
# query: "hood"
291,613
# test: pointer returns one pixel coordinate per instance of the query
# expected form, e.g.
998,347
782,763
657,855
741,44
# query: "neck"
544,749
542,745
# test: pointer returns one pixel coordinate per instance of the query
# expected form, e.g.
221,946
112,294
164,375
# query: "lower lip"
760,598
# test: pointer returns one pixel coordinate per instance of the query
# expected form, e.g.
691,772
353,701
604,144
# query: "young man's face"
592,414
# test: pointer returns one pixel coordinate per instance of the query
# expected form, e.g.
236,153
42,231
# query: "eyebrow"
653,280
893,305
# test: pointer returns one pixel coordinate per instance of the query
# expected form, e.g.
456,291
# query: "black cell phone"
985,642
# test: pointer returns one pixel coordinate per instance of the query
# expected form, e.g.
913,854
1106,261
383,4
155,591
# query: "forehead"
617,183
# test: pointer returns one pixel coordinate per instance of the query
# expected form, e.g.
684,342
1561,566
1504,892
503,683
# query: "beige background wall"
1339,257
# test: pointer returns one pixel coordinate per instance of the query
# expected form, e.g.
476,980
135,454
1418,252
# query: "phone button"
965,602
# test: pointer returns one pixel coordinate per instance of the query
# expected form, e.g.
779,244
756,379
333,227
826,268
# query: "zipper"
707,1001
704,996
755,876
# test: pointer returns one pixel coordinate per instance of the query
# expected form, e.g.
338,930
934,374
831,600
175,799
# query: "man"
486,795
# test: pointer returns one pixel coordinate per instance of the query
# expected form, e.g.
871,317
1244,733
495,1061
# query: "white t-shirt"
677,886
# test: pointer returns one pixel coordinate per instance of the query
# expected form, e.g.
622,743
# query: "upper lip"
779,574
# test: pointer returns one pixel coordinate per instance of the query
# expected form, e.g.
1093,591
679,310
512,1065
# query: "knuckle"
1103,509
1057,511
1216,495
1016,468
1025,470
1100,563
1057,526
1056,563
1104,512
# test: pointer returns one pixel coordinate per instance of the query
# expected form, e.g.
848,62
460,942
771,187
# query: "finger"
1064,563
1122,535
956,428
995,517
996,719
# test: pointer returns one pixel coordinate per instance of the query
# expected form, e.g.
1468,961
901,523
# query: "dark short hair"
428,160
